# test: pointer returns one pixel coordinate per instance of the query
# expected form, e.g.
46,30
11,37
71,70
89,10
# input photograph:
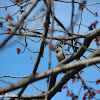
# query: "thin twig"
14,76
79,91
36,88
24,46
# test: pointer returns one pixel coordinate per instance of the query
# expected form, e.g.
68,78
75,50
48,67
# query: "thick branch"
76,65
47,21
48,37
65,79
77,55
83,48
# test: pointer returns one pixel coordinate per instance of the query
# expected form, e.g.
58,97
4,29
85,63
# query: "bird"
60,56
59,53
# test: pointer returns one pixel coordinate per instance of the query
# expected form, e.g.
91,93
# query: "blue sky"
22,65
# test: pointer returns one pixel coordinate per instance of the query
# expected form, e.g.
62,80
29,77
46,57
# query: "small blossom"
96,14
81,7
92,94
81,72
98,91
42,9
68,93
5,8
65,86
43,92
72,94
73,81
22,11
33,16
64,41
90,88
90,28
66,54
41,19
18,50
85,94
84,98
17,18
9,17
31,57
96,21
98,81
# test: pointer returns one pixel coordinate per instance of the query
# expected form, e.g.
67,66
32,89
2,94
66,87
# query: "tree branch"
77,55
79,65
47,21
48,37
19,23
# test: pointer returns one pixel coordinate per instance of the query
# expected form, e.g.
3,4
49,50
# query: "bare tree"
81,46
